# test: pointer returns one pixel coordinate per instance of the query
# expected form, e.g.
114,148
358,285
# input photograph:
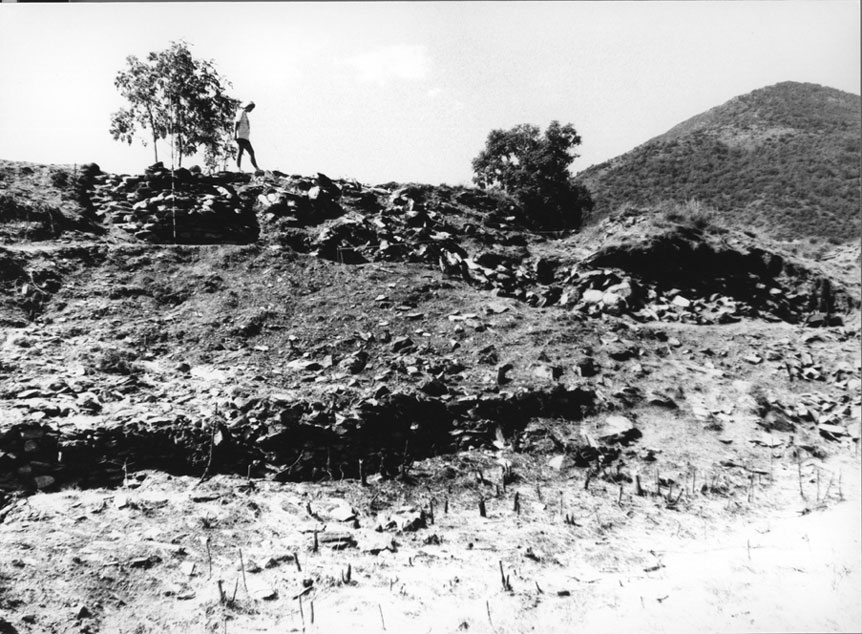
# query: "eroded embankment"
300,440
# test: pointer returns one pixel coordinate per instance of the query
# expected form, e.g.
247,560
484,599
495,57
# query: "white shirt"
244,128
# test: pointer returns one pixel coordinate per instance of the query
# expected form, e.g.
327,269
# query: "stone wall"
184,207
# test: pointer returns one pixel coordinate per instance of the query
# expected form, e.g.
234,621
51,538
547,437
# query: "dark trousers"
245,146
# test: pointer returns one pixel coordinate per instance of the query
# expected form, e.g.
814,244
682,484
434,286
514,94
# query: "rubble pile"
678,274
832,418
284,438
409,224
180,207
654,278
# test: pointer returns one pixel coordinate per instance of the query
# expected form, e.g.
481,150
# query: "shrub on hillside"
60,179
534,170
115,361
692,213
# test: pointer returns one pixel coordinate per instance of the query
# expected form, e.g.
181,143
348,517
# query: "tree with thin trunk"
173,94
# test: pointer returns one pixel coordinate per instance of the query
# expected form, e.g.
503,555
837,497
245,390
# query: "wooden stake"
296,559
209,557
799,470
504,579
314,546
242,567
206,472
638,488
482,507
828,487
382,622
301,613
517,506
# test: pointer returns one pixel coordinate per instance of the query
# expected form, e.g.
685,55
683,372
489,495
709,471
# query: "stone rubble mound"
677,274
183,207
682,274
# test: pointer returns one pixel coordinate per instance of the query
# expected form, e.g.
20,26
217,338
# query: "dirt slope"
660,419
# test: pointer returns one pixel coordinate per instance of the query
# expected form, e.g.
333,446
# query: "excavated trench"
299,441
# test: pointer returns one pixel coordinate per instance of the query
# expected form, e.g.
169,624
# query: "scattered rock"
145,562
556,463
407,519
44,481
337,540
547,372
587,367
618,429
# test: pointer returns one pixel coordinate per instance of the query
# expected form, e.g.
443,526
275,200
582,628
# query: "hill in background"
784,159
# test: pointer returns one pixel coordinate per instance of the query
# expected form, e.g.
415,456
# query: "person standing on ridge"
242,132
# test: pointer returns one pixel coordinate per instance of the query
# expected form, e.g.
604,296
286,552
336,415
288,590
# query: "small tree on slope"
172,93
534,169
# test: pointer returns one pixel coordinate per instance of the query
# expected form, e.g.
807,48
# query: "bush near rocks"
115,361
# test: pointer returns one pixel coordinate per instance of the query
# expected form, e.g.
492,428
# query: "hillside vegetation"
784,159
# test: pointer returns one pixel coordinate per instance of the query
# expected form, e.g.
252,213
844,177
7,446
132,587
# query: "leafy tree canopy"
171,93
534,168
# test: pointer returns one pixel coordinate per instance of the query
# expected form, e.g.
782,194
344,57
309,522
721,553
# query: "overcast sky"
409,91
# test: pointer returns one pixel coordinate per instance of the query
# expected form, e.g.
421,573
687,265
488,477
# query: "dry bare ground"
156,557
